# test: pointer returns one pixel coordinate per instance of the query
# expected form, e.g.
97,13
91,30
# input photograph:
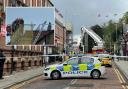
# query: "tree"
112,33
125,18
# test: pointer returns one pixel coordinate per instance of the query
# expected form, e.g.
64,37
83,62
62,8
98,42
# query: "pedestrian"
2,60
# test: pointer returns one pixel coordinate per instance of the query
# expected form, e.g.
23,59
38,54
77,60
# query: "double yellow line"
121,79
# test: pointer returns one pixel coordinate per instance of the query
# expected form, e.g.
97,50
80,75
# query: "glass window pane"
87,60
73,61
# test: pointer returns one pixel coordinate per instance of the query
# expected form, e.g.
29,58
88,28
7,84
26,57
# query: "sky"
30,15
86,12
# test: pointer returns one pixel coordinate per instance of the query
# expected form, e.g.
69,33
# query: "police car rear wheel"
95,74
55,75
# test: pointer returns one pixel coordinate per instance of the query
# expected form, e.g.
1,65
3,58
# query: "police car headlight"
47,68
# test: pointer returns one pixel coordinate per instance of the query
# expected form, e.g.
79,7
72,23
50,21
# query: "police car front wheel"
55,75
95,74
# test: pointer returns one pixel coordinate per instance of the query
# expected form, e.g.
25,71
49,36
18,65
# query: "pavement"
19,77
122,66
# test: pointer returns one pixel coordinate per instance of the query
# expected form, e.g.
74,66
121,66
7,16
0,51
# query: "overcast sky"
30,15
85,12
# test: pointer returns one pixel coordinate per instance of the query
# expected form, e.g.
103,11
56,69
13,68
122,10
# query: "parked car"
106,59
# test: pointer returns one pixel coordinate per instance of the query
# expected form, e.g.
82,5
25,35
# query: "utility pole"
116,39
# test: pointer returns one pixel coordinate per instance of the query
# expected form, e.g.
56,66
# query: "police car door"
86,66
70,70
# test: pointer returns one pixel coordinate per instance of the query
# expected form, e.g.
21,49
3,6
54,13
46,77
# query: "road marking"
123,87
73,81
119,78
17,86
127,87
66,88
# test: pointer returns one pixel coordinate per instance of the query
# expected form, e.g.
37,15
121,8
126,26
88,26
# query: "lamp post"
116,39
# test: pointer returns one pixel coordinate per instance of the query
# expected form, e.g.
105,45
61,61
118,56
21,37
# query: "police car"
76,67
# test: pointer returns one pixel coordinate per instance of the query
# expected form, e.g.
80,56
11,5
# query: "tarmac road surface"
112,80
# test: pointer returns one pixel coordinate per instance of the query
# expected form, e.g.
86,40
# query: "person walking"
2,60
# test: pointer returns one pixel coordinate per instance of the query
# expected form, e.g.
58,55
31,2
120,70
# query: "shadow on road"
102,78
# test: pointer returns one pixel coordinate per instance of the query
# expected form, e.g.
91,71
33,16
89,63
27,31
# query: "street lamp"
116,39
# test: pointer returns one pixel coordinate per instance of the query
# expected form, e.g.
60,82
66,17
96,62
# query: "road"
111,80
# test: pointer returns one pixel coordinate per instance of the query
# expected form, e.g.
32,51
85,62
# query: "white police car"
76,67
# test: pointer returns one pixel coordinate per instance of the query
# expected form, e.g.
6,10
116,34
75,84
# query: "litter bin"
2,60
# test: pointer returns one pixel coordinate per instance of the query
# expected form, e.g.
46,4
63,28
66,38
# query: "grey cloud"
85,12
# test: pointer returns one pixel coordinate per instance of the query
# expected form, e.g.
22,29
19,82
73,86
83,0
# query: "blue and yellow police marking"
97,66
83,67
52,68
67,68
75,72
80,67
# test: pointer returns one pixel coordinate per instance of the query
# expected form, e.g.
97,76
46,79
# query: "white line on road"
66,88
72,82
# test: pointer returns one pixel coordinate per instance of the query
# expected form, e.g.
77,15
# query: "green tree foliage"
112,33
125,18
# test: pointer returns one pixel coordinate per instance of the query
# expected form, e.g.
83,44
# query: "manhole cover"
81,85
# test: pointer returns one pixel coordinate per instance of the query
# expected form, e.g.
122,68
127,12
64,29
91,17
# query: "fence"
28,62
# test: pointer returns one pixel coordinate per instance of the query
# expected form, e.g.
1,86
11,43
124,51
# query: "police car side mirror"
65,64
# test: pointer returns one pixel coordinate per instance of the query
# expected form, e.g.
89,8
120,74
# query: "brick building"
60,32
29,3
32,51
69,36
2,25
